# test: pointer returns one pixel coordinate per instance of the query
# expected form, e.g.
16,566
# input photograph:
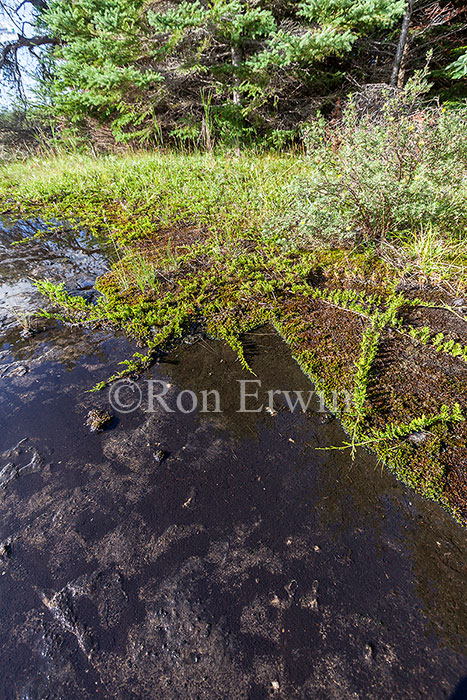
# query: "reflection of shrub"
370,178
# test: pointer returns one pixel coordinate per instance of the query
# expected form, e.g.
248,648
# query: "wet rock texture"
209,557
243,565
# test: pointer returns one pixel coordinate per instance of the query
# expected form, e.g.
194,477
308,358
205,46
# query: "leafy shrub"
372,177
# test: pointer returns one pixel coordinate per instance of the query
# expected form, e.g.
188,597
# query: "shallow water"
246,564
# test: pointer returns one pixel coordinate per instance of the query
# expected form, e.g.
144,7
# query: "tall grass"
230,195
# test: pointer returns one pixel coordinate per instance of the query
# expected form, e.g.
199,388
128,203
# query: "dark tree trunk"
401,46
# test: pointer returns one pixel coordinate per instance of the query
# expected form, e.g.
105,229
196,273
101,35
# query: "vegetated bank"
354,251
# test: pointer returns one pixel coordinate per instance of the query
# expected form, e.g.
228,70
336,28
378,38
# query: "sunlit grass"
228,194
430,257
134,195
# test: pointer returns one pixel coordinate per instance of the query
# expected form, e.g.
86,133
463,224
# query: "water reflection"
66,255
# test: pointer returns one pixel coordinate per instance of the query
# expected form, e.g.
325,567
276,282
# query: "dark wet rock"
136,448
89,295
84,284
249,567
20,460
62,607
291,588
180,648
5,549
61,260
19,371
107,593
97,420
28,332
57,257
369,652
101,590
310,598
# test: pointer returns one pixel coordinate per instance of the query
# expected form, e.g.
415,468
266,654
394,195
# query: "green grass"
229,195
133,195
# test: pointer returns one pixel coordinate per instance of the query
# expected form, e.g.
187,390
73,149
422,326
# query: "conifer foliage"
197,70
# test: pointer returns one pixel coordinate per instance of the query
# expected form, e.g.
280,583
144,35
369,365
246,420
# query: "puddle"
68,256
244,564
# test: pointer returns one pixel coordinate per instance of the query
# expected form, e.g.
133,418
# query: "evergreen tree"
100,67
245,47
239,68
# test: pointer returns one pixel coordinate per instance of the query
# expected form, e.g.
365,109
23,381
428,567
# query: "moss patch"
193,260
406,397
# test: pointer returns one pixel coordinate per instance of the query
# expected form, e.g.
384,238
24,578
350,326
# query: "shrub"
375,176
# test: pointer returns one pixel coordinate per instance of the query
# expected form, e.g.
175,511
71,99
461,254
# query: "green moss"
336,309
334,334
